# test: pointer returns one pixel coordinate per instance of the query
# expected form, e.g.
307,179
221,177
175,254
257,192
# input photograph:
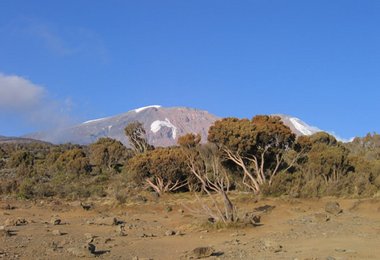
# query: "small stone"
179,233
321,217
170,233
252,218
107,221
91,248
169,209
143,235
56,232
5,233
202,252
86,206
77,251
15,222
55,221
333,207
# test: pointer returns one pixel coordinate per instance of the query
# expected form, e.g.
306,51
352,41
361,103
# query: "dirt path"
293,229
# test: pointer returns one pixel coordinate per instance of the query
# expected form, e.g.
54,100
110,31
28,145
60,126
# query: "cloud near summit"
18,94
29,102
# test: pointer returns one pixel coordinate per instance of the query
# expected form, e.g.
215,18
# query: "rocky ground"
166,228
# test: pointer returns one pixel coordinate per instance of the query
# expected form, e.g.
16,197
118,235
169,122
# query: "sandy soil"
165,229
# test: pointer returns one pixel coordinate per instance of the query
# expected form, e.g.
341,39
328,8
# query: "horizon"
317,61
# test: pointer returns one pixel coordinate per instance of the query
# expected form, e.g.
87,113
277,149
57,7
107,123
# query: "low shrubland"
261,156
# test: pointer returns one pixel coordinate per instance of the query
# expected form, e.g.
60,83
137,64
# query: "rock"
179,233
252,218
56,232
8,207
55,221
121,230
321,217
91,248
78,251
86,206
264,209
15,222
170,233
139,198
181,211
201,252
4,232
333,208
107,221
211,220
143,235
169,209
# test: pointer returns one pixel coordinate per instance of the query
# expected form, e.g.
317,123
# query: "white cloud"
22,99
17,93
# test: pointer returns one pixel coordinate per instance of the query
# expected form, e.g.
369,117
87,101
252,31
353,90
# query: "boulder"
201,252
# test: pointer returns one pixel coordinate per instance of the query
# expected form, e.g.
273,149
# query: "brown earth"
165,228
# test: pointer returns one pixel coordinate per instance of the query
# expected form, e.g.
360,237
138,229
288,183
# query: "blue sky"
62,62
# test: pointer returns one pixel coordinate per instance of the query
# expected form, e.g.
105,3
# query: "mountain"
298,126
19,140
163,126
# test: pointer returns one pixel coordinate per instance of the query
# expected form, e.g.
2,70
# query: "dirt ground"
166,228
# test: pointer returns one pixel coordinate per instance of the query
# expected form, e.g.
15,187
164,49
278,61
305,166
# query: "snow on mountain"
94,120
158,124
299,127
163,126
138,110
303,127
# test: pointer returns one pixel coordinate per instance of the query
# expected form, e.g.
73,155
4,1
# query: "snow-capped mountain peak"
138,110
298,126
163,126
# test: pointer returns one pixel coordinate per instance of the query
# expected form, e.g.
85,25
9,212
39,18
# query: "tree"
163,169
204,163
23,161
73,161
257,146
136,135
189,140
107,153
326,157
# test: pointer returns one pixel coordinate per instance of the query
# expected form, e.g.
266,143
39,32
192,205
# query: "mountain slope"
298,126
18,140
163,126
